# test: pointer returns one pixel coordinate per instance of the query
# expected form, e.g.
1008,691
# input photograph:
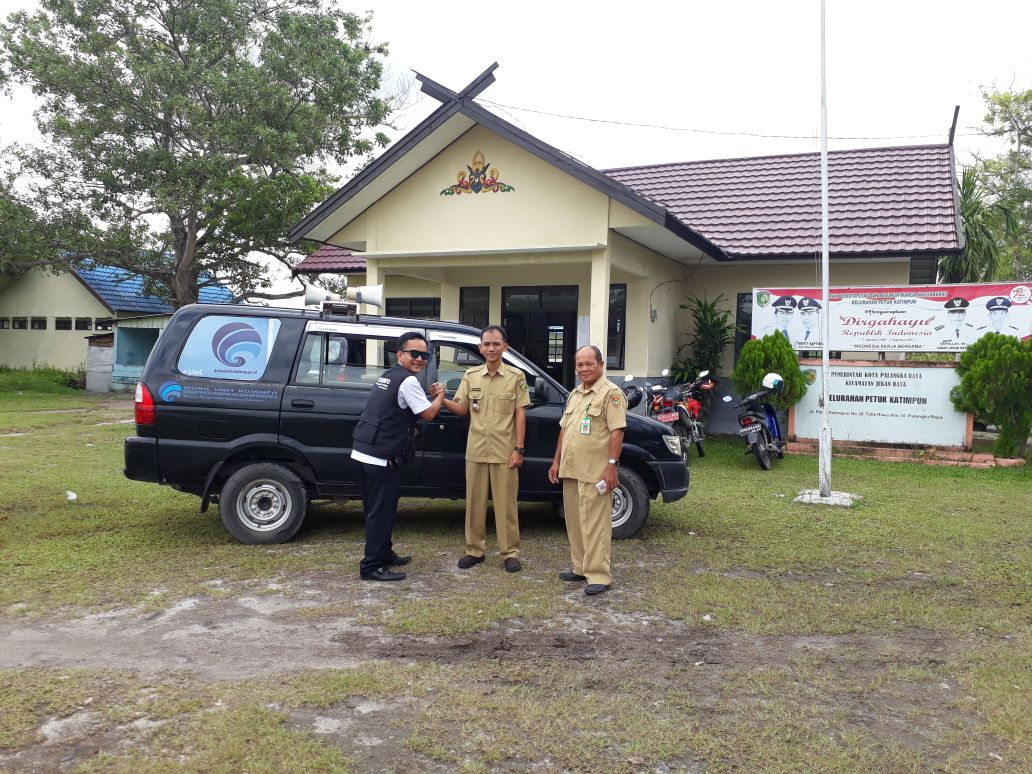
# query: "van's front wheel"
263,503
630,504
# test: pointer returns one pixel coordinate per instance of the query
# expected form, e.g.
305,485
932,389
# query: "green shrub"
761,356
713,331
41,378
996,385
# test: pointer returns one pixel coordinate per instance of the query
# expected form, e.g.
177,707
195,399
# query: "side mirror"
726,399
703,373
665,372
628,378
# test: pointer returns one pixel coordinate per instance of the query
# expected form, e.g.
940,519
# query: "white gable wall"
38,294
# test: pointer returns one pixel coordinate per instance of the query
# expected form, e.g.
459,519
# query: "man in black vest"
381,442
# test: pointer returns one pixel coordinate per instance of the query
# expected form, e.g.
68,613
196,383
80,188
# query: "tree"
985,226
1008,177
183,135
996,385
759,357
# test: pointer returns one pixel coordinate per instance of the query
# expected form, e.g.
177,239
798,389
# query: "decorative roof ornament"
479,180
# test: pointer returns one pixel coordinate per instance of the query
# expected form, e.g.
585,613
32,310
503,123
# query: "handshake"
436,389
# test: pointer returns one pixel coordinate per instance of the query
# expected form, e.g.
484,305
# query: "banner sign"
908,318
884,403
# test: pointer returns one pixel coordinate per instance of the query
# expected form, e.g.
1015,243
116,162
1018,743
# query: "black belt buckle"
392,463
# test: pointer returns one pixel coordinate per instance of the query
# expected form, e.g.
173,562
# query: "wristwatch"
520,449
615,462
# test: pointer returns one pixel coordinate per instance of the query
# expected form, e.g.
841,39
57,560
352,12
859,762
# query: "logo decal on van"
236,343
228,347
170,392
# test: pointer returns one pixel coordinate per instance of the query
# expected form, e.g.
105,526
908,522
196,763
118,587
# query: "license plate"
749,429
668,416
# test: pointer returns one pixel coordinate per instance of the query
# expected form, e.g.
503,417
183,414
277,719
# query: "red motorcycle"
679,406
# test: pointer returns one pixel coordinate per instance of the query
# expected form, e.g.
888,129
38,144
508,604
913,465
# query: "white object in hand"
601,487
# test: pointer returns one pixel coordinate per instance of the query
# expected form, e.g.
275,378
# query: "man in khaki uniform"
495,397
586,459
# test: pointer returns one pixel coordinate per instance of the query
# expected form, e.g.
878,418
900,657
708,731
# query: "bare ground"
289,626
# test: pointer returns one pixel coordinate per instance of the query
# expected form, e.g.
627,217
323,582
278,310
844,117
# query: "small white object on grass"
72,495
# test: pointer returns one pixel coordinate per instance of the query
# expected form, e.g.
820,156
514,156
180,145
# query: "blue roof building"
122,291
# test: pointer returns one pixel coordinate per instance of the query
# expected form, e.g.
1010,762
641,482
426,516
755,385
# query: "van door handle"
303,403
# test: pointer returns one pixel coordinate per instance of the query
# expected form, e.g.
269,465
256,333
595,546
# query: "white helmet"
773,381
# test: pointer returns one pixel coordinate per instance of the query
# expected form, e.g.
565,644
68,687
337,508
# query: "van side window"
453,360
228,347
338,360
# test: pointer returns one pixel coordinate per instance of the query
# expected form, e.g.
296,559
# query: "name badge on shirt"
585,426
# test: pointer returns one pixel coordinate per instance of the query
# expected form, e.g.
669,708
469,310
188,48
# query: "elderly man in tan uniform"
495,397
586,459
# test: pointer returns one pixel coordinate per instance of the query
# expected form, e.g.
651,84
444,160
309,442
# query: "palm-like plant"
982,221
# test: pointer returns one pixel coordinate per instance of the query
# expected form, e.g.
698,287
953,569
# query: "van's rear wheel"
630,505
263,503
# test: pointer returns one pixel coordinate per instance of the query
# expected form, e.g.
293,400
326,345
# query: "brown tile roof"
330,259
881,200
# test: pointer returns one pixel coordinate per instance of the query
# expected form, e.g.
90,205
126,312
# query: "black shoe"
566,575
398,561
469,560
593,589
512,564
383,574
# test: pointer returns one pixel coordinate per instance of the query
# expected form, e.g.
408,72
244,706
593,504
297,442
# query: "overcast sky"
719,73
895,71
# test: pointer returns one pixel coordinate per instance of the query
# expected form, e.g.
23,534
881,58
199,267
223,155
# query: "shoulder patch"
614,401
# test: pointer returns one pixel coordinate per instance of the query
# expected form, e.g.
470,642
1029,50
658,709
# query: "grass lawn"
744,632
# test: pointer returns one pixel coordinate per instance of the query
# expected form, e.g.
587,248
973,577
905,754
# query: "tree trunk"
185,279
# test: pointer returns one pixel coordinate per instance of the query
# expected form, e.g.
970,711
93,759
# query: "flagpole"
824,448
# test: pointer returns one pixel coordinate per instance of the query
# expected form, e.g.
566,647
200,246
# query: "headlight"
673,443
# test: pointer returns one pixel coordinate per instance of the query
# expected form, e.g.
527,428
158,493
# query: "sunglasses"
418,354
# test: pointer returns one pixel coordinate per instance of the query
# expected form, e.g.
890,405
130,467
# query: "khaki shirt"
492,425
584,456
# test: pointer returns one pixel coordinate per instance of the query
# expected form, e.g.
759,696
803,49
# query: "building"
470,218
46,318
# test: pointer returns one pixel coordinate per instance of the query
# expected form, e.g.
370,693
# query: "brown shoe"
468,561
512,564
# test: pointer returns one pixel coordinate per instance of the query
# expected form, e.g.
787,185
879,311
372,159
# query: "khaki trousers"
504,484
589,525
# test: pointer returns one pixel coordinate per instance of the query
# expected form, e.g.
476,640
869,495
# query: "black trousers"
381,487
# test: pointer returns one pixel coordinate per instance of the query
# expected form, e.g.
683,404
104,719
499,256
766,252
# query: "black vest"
385,429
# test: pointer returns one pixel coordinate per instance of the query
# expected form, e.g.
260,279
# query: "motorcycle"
632,392
689,409
678,405
759,422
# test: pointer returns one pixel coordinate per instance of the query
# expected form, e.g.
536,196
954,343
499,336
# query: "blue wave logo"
236,343
170,392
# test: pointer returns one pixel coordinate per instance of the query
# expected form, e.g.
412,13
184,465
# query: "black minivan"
254,407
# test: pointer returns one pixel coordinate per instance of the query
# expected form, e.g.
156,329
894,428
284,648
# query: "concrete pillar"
598,301
449,299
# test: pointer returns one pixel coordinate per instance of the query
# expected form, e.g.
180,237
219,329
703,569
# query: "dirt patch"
261,631
269,630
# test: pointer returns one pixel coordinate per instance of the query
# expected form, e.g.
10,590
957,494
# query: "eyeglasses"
418,354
